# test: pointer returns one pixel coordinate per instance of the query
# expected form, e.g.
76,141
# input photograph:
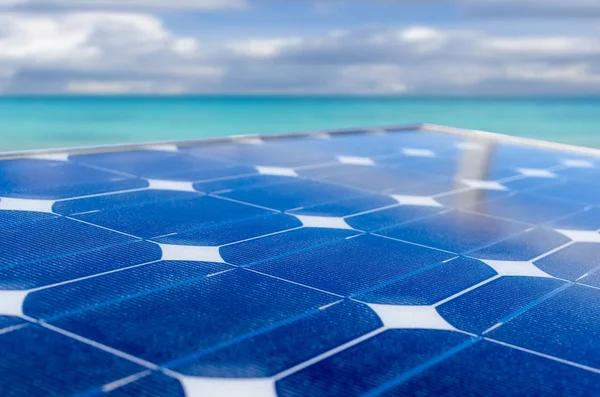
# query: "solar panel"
405,261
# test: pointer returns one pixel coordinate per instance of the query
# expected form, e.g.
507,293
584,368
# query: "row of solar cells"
263,325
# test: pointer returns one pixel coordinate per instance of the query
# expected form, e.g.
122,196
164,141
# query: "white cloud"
123,87
578,73
263,48
418,59
129,4
99,52
82,38
134,52
371,79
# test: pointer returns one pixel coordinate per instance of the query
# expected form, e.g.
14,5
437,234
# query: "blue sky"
355,47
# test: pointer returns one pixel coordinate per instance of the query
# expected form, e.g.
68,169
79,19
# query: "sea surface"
50,122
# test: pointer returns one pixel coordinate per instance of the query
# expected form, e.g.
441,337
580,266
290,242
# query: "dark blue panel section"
114,201
373,221
593,279
208,174
572,262
10,218
456,231
115,287
348,207
283,347
523,247
242,182
300,193
528,208
483,307
449,166
163,217
369,364
269,153
579,192
153,385
230,232
437,142
491,370
10,321
163,165
564,326
53,238
352,265
282,244
382,179
171,323
585,220
464,199
70,267
526,156
430,285
39,362
44,179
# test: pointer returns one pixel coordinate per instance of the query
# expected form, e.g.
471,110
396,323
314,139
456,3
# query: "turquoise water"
30,123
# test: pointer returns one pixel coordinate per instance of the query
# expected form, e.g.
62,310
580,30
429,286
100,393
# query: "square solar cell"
455,231
300,193
565,326
387,262
353,264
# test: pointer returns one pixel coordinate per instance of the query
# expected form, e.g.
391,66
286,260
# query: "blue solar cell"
385,218
449,167
163,165
274,350
114,201
367,365
464,199
431,284
158,218
404,263
353,264
53,238
582,192
281,245
184,318
438,142
380,179
38,362
227,184
584,220
152,385
271,154
527,157
489,369
494,302
226,233
523,247
564,325
9,322
528,208
593,279
455,231
73,266
571,262
21,178
300,193
104,290
11,218
348,207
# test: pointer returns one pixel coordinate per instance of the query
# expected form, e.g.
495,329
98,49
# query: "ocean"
50,122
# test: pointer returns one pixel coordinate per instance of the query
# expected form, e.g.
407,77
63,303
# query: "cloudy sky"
389,47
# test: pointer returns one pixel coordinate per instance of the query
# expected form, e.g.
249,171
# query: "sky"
300,47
